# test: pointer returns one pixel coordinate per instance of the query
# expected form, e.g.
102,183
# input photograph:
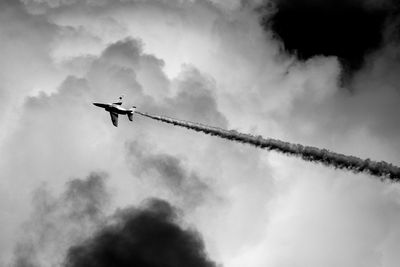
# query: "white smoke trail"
380,169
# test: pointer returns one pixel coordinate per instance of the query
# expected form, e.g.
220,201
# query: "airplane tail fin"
119,101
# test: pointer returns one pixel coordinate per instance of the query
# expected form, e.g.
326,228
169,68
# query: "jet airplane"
115,109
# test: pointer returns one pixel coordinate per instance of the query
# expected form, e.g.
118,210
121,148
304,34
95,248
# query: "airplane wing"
114,118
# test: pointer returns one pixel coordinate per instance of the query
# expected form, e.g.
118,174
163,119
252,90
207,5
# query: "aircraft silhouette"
115,109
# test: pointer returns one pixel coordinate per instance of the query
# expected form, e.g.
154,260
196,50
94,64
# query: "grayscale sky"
66,173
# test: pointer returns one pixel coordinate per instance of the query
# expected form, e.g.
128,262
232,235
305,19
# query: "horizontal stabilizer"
130,116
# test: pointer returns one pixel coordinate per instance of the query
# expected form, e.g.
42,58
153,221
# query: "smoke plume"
148,236
380,169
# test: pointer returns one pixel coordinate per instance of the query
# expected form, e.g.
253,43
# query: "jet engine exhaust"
381,169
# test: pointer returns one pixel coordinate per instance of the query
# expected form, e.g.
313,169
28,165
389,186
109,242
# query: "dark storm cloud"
348,29
148,236
328,158
170,172
57,221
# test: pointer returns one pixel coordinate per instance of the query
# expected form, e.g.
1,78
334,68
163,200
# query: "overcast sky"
320,73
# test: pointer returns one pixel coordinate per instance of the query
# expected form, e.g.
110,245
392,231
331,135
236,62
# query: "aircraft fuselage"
113,108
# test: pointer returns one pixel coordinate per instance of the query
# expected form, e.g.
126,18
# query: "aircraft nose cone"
97,104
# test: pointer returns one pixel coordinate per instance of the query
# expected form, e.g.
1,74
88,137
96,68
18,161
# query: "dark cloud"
57,222
147,236
169,171
347,29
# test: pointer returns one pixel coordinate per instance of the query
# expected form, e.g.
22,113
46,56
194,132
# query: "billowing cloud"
26,67
57,222
146,236
61,122
210,62
349,30
187,186
74,229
